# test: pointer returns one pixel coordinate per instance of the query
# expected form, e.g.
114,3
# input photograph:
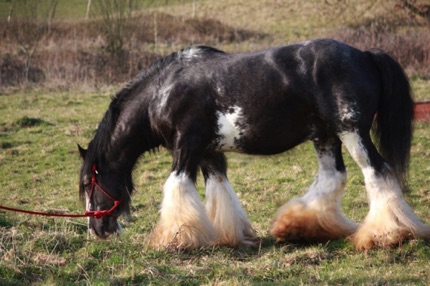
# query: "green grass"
76,10
421,88
39,166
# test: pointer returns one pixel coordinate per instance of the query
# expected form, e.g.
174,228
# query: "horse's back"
269,101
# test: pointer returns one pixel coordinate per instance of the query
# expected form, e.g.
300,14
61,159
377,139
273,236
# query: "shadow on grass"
265,246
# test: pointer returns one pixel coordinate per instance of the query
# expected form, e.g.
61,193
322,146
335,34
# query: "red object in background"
422,110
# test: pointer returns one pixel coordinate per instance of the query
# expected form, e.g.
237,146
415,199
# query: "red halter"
95,214
102,213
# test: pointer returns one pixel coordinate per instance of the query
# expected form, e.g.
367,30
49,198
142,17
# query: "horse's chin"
101,233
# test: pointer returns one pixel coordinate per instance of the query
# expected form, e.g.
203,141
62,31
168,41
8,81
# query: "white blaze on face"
87,202
229,128
88,208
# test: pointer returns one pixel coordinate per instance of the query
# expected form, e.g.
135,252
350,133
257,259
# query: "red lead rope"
44,213
95,214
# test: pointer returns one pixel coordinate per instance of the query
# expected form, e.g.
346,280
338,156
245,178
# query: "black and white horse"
201,102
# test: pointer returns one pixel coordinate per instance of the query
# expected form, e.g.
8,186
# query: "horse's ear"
82,151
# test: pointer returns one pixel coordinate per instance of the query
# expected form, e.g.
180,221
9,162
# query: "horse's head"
106,191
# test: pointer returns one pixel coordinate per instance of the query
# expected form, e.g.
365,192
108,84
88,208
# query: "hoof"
388,224
184,237
300,221
246,238
368,236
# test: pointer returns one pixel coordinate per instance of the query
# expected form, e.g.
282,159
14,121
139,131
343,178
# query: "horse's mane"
102,139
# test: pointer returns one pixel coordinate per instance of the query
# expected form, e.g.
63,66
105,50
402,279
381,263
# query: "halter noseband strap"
102,213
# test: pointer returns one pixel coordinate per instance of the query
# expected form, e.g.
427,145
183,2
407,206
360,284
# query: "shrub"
411,48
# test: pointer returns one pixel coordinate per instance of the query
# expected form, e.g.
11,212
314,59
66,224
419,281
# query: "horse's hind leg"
317,216
222,205
390,219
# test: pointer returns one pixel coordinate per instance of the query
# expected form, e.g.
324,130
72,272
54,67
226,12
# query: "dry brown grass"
411,47
73,54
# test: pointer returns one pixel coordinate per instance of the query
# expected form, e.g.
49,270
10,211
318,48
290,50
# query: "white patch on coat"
190,53
379,188
229,129
347,111
325,193
329,181
354,144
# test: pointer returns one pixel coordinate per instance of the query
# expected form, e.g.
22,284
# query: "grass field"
76,10
39,168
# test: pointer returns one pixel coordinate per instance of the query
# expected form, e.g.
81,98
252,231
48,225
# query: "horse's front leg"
183,223
231,223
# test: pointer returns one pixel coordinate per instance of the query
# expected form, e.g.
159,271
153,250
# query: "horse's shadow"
266,245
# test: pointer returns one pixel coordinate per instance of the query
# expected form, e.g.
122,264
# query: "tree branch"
414,8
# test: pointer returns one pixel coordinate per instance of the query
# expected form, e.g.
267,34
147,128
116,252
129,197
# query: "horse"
200,102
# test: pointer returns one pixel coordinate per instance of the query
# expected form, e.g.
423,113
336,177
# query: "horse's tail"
394,123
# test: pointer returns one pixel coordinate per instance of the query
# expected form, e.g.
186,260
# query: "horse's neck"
131,136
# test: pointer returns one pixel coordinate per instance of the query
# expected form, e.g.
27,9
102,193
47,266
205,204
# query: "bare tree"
341,11
419,8
114,15
88,9
31,22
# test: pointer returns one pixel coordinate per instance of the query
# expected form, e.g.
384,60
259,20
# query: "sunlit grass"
421,88
39,168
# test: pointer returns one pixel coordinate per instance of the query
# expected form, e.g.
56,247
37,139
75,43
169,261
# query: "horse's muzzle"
105,227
